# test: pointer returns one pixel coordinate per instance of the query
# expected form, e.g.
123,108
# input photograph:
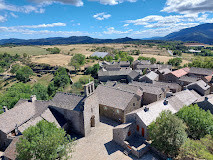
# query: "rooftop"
180,72
99,54
114,97
201,71
201,84
175,103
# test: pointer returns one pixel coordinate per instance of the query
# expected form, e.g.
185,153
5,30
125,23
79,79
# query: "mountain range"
202,33
64,40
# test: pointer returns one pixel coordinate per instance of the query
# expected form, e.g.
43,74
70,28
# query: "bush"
175,62
54,50
198,121
167,133
23,73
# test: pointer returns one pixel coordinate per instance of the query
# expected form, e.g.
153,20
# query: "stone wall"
91,110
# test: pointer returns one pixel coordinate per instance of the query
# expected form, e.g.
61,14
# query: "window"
138,128
129,133
133,104
105,108
117,111
91,109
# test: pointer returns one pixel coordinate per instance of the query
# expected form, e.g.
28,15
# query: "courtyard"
99,145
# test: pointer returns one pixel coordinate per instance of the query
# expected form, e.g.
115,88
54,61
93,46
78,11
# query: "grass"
44,80
29,50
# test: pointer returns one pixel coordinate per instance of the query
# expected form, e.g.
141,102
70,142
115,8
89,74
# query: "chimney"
165,102
5,109
146,109
89,88
206,98
33,98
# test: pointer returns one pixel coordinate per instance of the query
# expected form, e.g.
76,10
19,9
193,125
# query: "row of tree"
179,135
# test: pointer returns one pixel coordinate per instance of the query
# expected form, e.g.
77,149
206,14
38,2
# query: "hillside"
64,40
202,33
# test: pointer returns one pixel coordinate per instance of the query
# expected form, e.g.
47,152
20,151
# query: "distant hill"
202,33
63,40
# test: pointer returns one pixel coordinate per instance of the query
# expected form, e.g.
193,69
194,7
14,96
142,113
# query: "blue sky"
28,19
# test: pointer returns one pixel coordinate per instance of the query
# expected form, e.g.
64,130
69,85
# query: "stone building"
115,101
199,72
124,75
162,73
206,103
149,78
200,87
151,93
133,134
81,112
24,114
152,67
140,62
175,75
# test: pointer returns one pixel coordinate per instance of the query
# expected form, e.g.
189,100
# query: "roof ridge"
117,89
70,94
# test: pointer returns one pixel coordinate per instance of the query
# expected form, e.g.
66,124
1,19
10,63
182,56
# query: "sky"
32,19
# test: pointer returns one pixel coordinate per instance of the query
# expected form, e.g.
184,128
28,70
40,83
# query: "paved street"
99,146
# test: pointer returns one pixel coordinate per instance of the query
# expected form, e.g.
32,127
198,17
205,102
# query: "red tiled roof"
208,78
181,72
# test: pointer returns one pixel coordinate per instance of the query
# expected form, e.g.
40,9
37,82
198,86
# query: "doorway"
92,121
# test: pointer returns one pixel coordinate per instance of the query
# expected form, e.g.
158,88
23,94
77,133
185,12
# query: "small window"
138,128
133,104
129,133
91,109
118,111
105,108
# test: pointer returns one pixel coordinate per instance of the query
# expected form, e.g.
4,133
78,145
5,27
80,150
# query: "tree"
89,70
198,121
130,58
44,141
51,89
197,149
108,58
23,74
95,70
25,55
61,78
54,50
167,133
14,93
77,60
15,68
40,91
175,62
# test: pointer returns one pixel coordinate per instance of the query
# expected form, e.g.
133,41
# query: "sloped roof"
113,97
175,103
99,54
188,79
149,88
165,84
10,152
201,71
114,73
151,75
67,101
164,71
22,112
180,72
125,87
201,84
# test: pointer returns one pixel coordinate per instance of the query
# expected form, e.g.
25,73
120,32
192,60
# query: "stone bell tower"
89,88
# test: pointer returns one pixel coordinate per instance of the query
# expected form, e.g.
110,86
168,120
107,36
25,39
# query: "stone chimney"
165,102
89,88
33,98
5,109
146,109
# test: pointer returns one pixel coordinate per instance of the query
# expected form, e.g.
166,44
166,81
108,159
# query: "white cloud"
77,3
111,30
3,18
13,30
125,25
113,2
101,16
13,15
43,25
188,6
24,9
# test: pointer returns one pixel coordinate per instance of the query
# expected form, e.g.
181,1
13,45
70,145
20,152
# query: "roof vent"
5,109
165,102
146,109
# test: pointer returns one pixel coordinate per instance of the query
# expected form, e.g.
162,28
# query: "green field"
29,50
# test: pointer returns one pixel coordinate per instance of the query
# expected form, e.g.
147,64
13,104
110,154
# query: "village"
129,97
